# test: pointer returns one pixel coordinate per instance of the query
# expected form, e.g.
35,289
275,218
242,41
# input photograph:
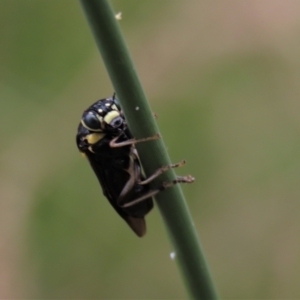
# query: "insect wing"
111,182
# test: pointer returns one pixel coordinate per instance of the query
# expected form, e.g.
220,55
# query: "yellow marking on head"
114,106
93,138
100,118
110,116
83,154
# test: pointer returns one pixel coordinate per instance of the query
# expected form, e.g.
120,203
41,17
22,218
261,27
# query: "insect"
104,138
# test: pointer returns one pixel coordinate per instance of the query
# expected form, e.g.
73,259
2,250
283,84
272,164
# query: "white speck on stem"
118,16
137,108
172,255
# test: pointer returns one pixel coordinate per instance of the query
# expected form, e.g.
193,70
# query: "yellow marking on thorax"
93,138
91,149
110,116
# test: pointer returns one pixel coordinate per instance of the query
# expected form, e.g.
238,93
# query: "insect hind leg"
162,187
179,179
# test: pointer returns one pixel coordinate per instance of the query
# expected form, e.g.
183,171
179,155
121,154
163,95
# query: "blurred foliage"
226,94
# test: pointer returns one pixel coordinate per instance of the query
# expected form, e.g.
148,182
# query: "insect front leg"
114,144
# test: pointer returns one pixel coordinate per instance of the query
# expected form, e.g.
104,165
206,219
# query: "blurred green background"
223,77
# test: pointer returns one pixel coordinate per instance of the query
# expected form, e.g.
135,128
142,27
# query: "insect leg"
133,172
165,185
161,171
113,143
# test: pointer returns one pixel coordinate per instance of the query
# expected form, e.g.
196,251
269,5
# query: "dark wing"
138,225
112,182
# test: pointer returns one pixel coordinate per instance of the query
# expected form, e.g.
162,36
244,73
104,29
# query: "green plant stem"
153,154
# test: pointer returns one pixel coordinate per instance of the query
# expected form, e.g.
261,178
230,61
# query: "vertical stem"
131,96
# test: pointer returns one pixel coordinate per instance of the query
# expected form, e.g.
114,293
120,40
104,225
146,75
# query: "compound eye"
91,121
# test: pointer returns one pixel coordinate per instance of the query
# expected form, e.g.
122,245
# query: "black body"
118,167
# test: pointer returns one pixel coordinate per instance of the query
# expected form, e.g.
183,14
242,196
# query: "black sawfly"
104,138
